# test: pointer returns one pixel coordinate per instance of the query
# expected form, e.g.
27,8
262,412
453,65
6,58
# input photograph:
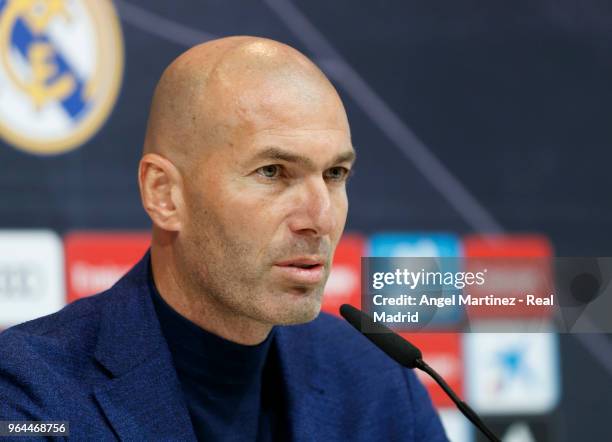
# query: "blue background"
468,116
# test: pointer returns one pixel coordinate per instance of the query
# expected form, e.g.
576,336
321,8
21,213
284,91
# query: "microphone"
407,355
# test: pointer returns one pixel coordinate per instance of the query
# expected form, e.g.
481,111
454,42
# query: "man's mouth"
306,270
304,266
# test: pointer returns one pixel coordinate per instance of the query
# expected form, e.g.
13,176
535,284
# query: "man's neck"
199,308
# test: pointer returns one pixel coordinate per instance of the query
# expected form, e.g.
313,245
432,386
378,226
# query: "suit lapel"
143,398
145,404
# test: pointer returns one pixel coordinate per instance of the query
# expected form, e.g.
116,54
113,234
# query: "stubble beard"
225,271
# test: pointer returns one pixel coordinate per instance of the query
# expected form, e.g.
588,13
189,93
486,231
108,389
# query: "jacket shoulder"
72,325
59,342
43,356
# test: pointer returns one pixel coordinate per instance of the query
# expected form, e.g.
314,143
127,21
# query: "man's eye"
270,171
337,173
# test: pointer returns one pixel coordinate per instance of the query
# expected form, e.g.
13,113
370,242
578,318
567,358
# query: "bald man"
216,333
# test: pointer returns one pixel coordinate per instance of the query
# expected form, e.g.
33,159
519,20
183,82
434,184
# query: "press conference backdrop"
468,118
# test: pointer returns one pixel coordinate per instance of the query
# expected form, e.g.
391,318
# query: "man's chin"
297,306
298,317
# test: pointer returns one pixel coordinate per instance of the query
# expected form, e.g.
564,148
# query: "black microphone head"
399,349
352,314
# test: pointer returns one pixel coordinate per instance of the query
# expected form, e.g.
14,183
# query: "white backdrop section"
31,275
510,373
458,428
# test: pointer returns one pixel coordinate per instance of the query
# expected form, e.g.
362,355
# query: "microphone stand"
463,407
407,355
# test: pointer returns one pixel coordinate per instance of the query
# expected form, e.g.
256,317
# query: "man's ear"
161,191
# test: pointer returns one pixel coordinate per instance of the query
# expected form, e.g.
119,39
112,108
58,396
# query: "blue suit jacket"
103,364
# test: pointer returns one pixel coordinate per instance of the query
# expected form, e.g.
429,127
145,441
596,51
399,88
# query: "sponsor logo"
20,280
96,260
31,275
87,278
511,373
61,65
423,245
517,266
415,245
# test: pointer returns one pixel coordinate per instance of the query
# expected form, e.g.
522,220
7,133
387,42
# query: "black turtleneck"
232,391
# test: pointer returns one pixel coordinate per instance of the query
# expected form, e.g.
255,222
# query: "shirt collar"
200,353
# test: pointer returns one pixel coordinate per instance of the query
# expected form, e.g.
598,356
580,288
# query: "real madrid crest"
61,66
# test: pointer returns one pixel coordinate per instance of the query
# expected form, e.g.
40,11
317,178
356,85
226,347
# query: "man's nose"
313,212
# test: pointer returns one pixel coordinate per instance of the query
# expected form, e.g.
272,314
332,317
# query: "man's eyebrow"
349,156
276,153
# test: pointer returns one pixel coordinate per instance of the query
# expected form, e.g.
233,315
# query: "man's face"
265,211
